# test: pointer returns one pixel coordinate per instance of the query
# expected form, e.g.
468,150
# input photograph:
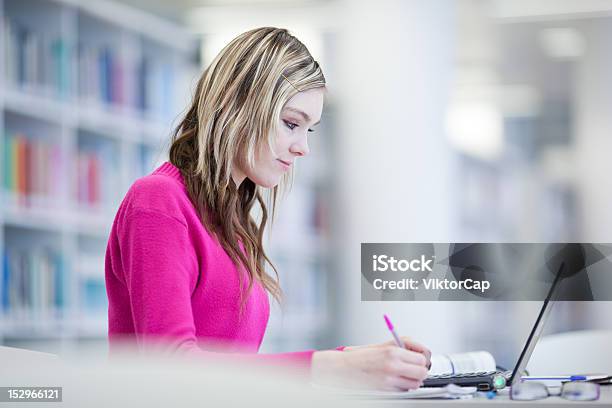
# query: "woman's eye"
290,125
311,130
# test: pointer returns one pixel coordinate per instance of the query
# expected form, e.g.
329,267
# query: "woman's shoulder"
156,182
158,192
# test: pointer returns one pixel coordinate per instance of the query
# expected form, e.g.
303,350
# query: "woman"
185,261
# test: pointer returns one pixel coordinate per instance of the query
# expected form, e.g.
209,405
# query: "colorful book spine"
35,62
61,57
31,168
8,162
5,281
96,175
141,92
93,175
33,282
21,164
38,62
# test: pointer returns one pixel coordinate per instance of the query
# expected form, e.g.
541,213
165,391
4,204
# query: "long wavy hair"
235,109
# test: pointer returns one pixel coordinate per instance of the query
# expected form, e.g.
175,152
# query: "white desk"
498,402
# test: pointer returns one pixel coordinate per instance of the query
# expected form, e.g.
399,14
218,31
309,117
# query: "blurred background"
446,121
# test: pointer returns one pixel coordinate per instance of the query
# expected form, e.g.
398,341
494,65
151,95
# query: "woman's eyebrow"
304,115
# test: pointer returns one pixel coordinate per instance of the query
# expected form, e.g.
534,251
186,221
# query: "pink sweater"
167,277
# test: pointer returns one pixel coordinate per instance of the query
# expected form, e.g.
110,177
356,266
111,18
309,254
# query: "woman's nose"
300,148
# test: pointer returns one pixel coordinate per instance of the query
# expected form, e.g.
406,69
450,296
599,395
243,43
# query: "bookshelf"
89,92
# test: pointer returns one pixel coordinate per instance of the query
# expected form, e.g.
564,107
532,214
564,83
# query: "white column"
593,128
394,167
593,144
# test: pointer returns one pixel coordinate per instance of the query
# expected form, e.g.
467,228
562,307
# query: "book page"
459,363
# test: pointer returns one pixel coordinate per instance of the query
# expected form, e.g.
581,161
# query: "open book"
475,361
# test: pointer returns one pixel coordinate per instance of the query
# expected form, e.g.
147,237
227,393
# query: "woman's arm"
160,270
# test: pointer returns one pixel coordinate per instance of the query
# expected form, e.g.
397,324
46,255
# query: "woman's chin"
268,182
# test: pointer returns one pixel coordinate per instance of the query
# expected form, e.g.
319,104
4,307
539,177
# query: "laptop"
486,381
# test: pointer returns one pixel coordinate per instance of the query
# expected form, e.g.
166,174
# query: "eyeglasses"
574,390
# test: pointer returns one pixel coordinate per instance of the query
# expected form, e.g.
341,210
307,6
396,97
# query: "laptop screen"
536,331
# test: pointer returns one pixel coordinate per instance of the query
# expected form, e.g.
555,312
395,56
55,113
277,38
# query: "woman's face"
297,118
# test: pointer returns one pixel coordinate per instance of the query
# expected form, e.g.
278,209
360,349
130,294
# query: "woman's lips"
286,165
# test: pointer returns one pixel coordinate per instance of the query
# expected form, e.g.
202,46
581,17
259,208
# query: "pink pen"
398,341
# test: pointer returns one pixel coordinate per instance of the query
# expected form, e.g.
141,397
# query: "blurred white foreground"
159,381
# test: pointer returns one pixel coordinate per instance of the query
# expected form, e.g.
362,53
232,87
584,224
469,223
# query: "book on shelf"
93,296
159,83
32,169
108,78
4,295
60,160
34,282
41,63
36,61
147,161
96,177
100,75
33,172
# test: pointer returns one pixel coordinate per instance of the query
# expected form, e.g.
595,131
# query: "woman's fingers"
414,346
403,365
389,367
411,357
411,371
402,384
405,375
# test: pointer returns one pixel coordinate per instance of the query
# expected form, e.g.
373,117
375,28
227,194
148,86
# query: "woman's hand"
408,344
381,367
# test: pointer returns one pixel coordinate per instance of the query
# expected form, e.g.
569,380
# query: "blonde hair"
235,109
